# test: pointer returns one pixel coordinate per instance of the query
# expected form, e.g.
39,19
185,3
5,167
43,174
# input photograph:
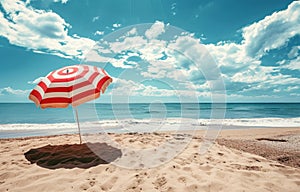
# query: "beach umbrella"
71,85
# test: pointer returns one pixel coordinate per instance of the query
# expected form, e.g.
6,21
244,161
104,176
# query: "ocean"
25,119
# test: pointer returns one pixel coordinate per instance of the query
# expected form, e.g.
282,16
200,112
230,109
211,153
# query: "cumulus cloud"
241,62
293,64
125,88
191,48
9,90
164,59
46,32
40,30
156,29
273,31
294,52
129,43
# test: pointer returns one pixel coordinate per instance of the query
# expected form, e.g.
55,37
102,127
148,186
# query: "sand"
237,161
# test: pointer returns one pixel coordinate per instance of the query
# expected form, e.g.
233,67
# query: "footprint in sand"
84,187
186,169
247,167
109,184
92,182
205,168
110,169
135,185
160,183
193,188
182,180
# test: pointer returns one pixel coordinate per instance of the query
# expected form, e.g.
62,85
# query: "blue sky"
156,50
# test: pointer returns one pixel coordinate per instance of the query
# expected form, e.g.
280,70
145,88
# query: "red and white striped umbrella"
73,85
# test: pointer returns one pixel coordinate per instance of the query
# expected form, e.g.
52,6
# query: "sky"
156,50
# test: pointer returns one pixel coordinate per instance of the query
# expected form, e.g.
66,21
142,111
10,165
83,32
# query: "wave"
163,124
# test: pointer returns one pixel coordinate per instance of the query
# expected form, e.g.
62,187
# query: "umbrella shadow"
74,155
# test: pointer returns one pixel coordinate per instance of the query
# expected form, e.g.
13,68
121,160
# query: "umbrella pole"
78,124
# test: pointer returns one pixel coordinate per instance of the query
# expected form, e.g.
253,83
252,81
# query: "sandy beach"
240,160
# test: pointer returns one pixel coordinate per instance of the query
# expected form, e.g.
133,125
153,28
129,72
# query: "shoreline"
233,132
136,125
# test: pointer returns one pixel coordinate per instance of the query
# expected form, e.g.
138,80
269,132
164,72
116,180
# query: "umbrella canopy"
71,85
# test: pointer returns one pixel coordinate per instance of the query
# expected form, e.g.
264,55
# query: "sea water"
25,119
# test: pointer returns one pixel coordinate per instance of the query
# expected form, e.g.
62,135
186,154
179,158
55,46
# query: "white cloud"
230,55
273,31
95,18
252,74
294,52
99,33
94,56
155,30
192,49
173,8
294,64
47,2
129,43
40,30
36,81
240,62
123,87
133,31
62,1
116,25
9,90
292,88
97,54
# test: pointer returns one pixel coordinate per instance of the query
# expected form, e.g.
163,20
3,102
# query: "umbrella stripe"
77,80
85,99
58,91
46,81
74,70
36,94
58,87
74,95
56,100
70,93
83,95
42,85
69,100
54,79
93,79
102,81
104,72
